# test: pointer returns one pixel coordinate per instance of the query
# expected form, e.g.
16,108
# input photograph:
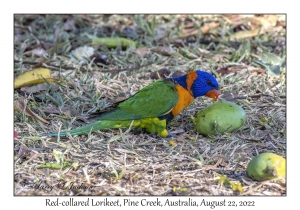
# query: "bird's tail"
99,125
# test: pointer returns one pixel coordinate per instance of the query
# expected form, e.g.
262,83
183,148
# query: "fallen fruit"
222,116
266,166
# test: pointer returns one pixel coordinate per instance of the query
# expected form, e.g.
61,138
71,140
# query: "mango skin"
219,117
266,166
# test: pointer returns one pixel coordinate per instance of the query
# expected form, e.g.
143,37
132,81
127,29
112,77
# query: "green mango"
222,116
266,166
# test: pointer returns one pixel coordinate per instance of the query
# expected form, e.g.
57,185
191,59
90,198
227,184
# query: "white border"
154,6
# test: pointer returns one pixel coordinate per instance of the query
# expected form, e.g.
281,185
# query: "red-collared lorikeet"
154,105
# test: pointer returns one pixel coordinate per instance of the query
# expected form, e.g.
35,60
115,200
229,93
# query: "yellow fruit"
266,166
219,117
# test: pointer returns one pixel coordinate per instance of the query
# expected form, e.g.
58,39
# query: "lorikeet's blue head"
200,83
204,84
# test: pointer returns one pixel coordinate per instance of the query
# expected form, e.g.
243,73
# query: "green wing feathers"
154,100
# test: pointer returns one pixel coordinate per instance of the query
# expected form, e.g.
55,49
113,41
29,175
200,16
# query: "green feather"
154,100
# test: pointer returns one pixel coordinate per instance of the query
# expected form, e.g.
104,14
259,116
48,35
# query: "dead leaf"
235,186
264,21
224,70
204,30
235,19
66,110
244,34
207,27
39,52
22,150
21,106
143,50
258,71
39,88
163,50
69,25
33,77
172,143
271,62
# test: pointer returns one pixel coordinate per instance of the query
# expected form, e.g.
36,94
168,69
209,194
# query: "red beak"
214,94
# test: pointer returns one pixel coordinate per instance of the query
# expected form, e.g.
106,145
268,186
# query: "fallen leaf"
207,27
270,58
235,186
22,150
244,34
21,106
38,88
270,62
65,110
187,32
180,189
143,50
69,25
112,42
224,70
258,71
39,52
163,50
33,77
265,20
172,143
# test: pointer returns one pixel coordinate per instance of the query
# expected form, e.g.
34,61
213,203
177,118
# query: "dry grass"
118,162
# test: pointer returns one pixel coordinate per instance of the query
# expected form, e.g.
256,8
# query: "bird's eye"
208,82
